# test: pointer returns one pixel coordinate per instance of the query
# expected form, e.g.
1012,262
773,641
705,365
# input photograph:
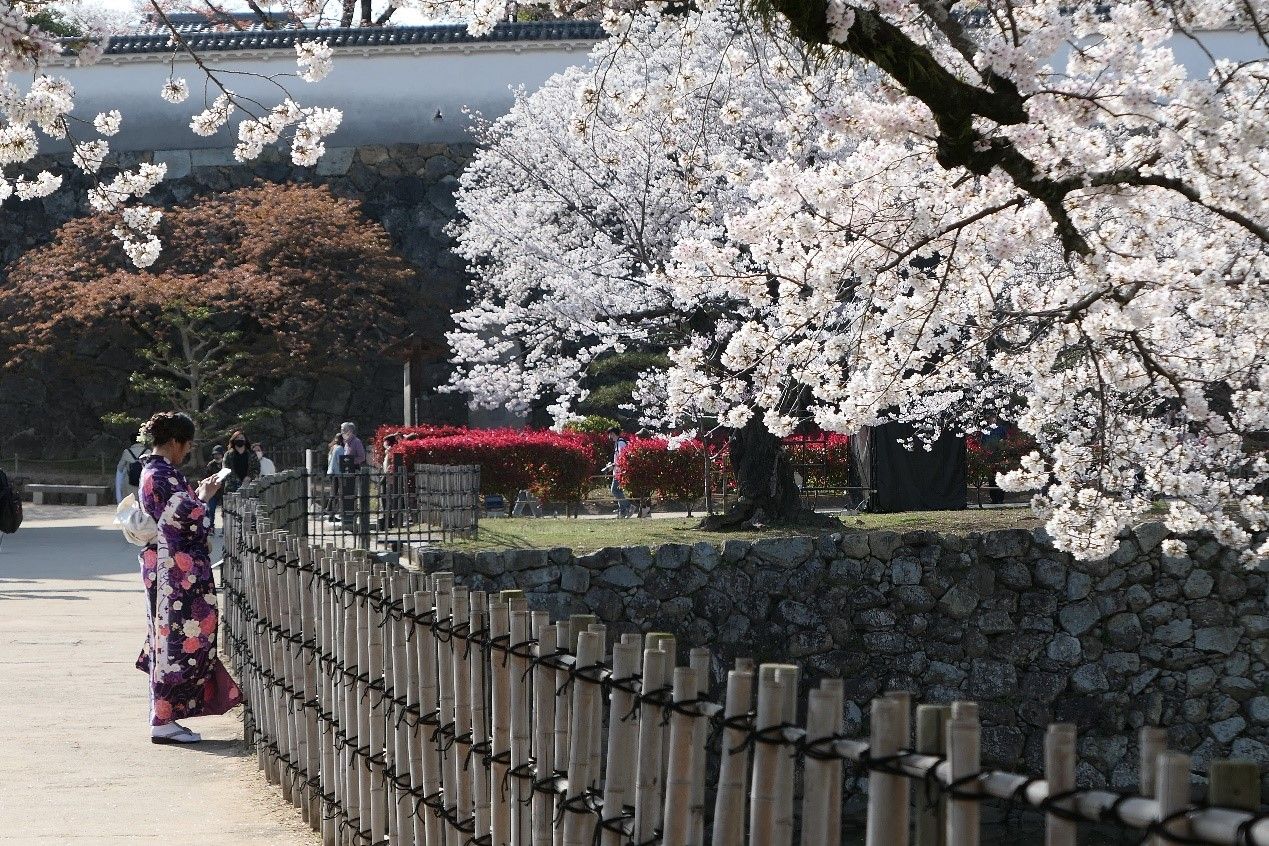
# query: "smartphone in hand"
223,475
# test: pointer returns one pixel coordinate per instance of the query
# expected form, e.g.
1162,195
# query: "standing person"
242,461
128,470
186,677
354,459
354,449
334,466
267,467
214,466
619,445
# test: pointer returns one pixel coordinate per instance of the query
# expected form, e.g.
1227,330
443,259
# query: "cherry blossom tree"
1045,216
577,199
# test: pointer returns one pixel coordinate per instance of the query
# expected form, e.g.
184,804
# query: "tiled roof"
394,36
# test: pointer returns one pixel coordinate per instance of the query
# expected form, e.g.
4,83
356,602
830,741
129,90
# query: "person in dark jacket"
244,463
213,467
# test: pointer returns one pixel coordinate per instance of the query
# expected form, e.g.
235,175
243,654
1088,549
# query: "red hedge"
648,467
823,460
551,465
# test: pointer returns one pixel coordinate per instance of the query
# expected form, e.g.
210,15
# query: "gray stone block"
1005,543
1174,633
882,544
705,555
1226,730
1064,649
1050,574
960,601
673,556
1079,617
905,571
854,545
336,161
621,576
1090,678
1198,584
179,163
1222,639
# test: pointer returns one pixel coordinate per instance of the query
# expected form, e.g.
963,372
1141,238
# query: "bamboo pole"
401,828
429,698
1059,772
729,802
578,824
931,739
500,627
821,793
521,740
1152,740
788,676
544,726
900,798
765,795
596,767
328,685
461,657
376,712
622,736
963,744
883,815
649,772
311,629
680,780
1172,792
699,659
479,668
279,649
444,585
1234,784
349,697
364,694
563,713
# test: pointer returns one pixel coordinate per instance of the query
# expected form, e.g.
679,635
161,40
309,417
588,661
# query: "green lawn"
583,535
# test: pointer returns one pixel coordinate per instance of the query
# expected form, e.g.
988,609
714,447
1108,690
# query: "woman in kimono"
186,677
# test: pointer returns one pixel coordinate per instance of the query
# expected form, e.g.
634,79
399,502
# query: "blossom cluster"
45,107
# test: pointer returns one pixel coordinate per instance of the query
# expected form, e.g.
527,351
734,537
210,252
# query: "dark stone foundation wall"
408,188
1002,618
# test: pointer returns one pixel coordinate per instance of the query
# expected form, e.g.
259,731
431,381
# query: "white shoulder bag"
138,527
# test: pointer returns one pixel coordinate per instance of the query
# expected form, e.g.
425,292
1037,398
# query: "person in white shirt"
124,485
266,465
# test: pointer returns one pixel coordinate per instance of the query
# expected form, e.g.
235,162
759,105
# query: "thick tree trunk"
764,478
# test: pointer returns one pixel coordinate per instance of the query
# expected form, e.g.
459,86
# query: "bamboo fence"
394,707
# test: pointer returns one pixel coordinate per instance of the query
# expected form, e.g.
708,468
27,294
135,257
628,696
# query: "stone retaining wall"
1002,618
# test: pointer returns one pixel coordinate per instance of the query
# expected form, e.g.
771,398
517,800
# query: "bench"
91,493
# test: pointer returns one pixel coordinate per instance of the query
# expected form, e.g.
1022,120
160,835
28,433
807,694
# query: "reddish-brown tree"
263,281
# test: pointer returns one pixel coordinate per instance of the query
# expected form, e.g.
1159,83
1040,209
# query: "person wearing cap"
212,468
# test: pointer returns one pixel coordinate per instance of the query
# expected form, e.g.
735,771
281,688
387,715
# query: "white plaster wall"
386,97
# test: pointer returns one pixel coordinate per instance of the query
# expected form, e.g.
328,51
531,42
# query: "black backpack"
10,506
134,470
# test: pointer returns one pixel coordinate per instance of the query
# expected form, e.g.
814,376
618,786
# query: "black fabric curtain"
916,480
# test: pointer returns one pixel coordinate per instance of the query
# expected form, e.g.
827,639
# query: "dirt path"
76,764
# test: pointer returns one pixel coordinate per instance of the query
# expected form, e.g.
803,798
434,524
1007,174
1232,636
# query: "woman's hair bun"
167,426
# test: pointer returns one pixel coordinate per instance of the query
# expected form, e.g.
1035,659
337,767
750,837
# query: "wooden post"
429,698
699,659
788,678
459,654
578,826
328,684
622,738
765,788
544,729
679,783
931,822
521,739
733,769
444,586
1172,792
1234,784
648,778
1153,740
500,627
821,799
963,745
901,788
479,669
883,816
1059,773
376,713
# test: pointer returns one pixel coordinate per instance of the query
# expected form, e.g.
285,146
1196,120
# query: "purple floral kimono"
186,677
